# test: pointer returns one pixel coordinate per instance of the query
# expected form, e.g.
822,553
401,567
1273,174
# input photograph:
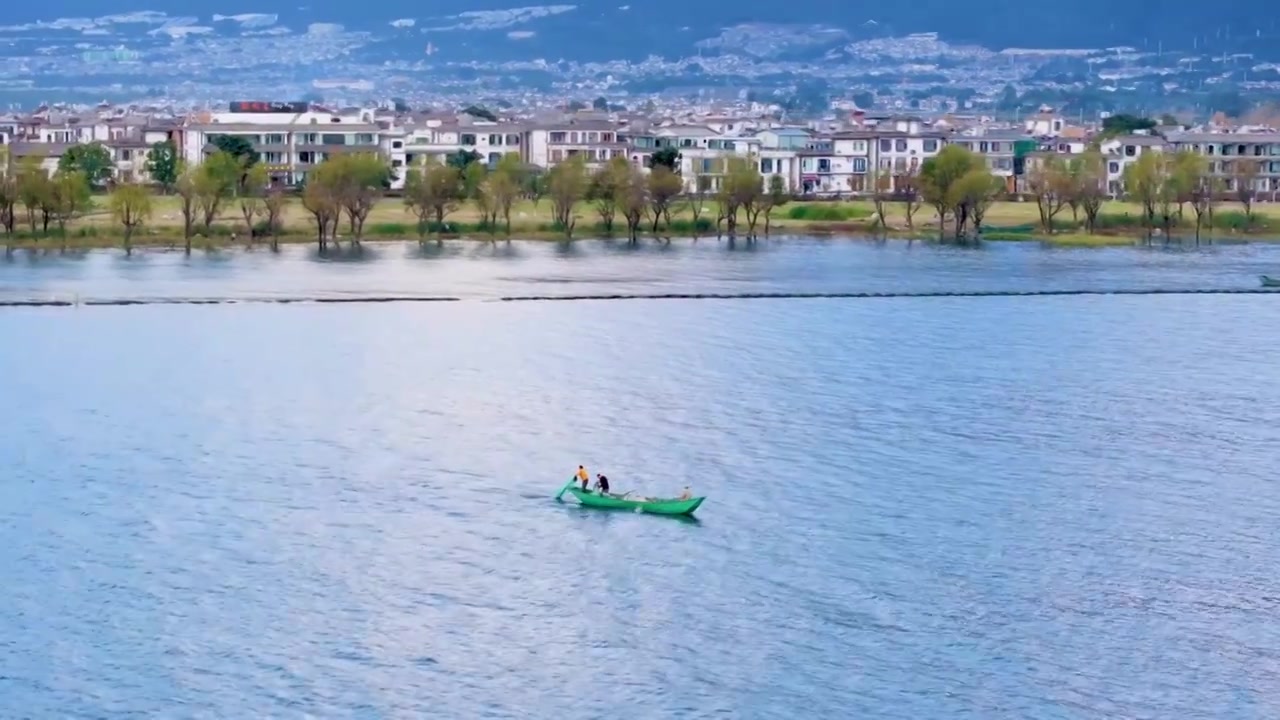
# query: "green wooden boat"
1268,281
634,503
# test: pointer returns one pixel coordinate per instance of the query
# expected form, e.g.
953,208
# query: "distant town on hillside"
535,56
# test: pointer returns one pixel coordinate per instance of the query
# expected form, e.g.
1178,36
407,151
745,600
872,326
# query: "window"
397,145
824,165
900,145
512,139
1208,149
396,163
931,146
310,139
606,137
618,152
573,138
468,139
766,166
1228,150
275,139
860,165
886,146
557,137
593,137
900,165
984,147
495,139
1130,150
557,155
364,139
1113,167
730,145
333,139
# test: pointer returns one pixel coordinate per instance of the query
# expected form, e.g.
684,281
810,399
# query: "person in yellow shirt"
583,477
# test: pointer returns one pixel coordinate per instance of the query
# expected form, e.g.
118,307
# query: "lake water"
1004,507
478,270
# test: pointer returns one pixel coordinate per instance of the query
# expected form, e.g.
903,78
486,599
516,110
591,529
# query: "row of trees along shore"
343,190
620,193
1161,184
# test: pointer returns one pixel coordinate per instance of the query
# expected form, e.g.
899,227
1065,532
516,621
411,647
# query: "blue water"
918,508
478,270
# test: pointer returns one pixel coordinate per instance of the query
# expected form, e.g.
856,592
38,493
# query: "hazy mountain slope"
604,29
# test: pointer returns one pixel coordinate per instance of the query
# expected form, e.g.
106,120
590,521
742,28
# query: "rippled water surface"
483,270
918,508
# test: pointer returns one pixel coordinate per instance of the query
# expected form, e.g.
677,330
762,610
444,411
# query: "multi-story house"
836,165
705,161
596,141
786,138
292,141
129,139
488,139
900,153
783,162
1121,152
1225,151
429,139
1045,124
48,153
56,128
8,129
1001,150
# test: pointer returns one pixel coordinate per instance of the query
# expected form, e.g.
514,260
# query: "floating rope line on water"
630,296
868,295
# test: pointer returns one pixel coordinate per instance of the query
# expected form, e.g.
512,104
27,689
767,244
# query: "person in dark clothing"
602,482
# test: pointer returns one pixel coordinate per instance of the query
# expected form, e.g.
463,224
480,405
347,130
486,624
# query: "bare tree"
1245,173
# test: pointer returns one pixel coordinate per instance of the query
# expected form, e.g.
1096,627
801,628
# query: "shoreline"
852,232
1006,221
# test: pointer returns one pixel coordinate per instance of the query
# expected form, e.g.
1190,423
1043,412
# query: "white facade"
1122,152
900,154
1044,125
291,144
597,143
